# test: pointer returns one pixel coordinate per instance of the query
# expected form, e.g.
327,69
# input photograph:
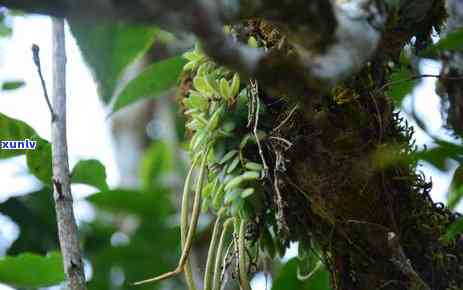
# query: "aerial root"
164,276
243,275
211,255
220,253
188,242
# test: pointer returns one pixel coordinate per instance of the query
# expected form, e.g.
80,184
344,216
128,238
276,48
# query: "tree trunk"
336,186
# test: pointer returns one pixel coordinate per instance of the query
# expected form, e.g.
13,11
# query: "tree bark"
67,227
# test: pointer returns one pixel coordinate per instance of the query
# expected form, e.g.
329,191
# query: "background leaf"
35,215
32,271
13,85
454,230
154,80
137,254
452,41
456,188
401,84
110,48
287,279
39,161
90,172
157,165
438,155
13,129
132,201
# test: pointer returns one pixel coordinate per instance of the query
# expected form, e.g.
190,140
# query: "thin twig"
36,58
417,77
67,227
255,97
282,140
286,119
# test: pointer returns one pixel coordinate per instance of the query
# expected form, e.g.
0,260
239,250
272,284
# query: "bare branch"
67,227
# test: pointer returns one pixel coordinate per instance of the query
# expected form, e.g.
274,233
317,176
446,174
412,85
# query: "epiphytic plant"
222,127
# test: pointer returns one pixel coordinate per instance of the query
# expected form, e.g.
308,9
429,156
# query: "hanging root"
186,248
211,255
244,281
184,224
220,254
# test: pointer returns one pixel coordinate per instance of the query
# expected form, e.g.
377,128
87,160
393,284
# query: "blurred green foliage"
90,172
32,271
109,49
13,129
452,41
12,85
287,278
153,81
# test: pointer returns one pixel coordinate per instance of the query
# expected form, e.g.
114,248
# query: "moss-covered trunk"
342,177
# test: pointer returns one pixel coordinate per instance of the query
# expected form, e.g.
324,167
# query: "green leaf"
235,86
110,48
401,84
452,41
90,172
231,195
35,216
13,85
39,161
237,206
32,271
247,192
252,42
228,156
456,188
454,230
5,30
154,80
13,129
131,201
438,155
157,165
287,279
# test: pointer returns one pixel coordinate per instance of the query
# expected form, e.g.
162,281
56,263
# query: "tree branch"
333,39
357,32
67,227
400,260
36,58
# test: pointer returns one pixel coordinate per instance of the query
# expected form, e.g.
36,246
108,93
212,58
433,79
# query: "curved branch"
333,39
